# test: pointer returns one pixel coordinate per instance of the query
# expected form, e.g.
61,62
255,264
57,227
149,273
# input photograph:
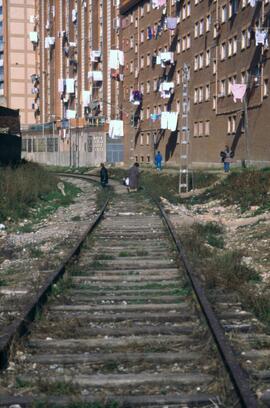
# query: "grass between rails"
30,191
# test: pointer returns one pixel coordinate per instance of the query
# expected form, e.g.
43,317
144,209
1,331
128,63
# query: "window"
142,11
243,77
207,128
178,49
201,61
231,124
155,110
178,106
244,3
131,66
131,42
155,85
230,47
196,30
142,114
142,159
188,9
184,12
148,138
178,77
222,88
141,141
230,82
214,105
207,58
159,109
200,128
224,13
243,40
234,44
148,7
196,62
148,112
136,48
201,27
136,22
265,87
195,130
188,41
184,43
148,87
207,92
208,23
214,67
142,36
142,61
148,59
200,94
195,95
223,51
142,88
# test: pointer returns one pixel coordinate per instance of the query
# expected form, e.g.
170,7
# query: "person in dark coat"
103,175
133,174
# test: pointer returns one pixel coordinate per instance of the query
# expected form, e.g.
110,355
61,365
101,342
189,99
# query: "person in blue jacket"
158,160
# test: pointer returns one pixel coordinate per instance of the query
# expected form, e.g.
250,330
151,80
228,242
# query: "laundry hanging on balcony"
49,41
169,120
86,96
238,91
74,15
165,58
96,75
70,85
95,56
158,3
252,3
70,114
136,97
171,23
261,37
33,35
116,58
155,116
116,129
61,85
166,89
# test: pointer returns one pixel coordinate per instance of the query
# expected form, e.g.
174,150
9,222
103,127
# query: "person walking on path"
133,175
226,157
103,175
158,160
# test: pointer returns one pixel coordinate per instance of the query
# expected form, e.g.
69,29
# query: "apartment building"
196,73
17,59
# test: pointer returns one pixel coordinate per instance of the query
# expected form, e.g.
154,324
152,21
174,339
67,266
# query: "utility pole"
184,133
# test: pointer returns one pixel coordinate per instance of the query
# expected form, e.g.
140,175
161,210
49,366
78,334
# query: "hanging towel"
252,3
171,23
261,37
116,129
86,97
95,55
61,84
121,57
70,85
162,3
164,120
172,121
238,91
70,114
33,35
113,59
97,75
155,116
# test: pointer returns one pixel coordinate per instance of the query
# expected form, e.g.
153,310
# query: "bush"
22,187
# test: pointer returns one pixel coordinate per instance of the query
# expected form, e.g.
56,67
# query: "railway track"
125,329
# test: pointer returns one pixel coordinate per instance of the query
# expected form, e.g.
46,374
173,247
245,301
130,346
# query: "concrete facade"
17,57
216,40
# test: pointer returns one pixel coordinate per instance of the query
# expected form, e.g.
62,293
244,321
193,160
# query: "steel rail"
20,325
238,376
